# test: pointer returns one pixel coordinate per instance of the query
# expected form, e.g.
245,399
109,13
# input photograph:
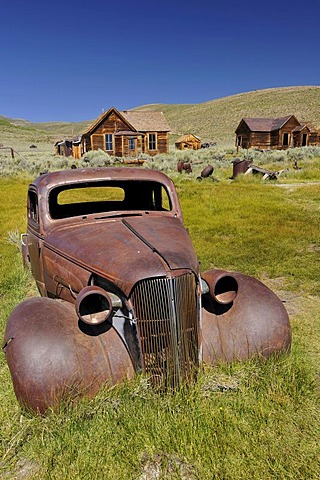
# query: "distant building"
188,142
275,133
128,133
63,147
68,147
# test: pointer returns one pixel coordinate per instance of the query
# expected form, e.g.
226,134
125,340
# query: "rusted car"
121,292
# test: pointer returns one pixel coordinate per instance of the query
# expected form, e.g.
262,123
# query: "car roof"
64,177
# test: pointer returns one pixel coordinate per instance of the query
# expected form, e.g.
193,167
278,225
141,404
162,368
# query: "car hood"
126,250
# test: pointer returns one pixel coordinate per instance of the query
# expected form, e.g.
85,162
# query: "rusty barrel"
207,171
240,166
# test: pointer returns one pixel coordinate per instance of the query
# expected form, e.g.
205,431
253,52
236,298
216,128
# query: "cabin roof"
301,127
266,124
145,121
185,138
64,177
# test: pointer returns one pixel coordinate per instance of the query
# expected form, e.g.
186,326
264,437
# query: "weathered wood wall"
260,140
162,144
314,138
112,124
244,132
189,142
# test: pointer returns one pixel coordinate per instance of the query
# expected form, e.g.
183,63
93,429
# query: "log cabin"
188,142
273,133
128,133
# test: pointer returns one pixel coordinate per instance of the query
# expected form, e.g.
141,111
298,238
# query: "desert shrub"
303,153
96,158
264,157
27,162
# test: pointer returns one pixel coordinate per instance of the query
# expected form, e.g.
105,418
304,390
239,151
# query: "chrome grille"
167,318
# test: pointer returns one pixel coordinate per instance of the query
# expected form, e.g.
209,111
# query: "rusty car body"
121,292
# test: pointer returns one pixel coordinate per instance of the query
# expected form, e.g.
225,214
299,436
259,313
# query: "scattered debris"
239,166
13,152
206,172
246,167
208,144
8,148
266,174
134,161
184,166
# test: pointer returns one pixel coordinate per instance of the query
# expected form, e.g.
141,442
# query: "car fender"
51,355
241,318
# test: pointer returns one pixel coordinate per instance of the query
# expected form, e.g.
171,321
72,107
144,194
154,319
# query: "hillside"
215,120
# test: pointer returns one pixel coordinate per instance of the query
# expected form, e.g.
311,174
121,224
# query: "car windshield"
113,196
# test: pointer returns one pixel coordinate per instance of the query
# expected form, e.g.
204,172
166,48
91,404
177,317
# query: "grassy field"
257,420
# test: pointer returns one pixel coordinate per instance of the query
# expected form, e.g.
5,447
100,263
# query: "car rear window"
98,197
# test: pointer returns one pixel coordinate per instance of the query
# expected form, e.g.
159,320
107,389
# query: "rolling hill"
215,120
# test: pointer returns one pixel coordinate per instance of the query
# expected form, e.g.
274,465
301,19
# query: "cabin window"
131,144
33,210
109,142
285,139
152,141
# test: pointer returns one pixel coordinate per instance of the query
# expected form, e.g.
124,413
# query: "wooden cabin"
272,133
301,136
69,147
314,136
188,142
63,147
77,148
128,133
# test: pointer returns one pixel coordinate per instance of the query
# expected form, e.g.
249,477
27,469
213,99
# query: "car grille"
167,317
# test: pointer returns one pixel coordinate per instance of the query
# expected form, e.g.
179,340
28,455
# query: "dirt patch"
165,466
291,300
25,470
295,185
313,247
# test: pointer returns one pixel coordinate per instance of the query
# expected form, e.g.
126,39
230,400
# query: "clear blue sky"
66,60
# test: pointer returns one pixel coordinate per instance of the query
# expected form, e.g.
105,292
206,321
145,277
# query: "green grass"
256,420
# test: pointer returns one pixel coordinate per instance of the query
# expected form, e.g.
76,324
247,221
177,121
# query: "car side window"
33,209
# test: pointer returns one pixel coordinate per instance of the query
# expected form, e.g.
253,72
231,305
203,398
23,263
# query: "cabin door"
132,147
304,142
